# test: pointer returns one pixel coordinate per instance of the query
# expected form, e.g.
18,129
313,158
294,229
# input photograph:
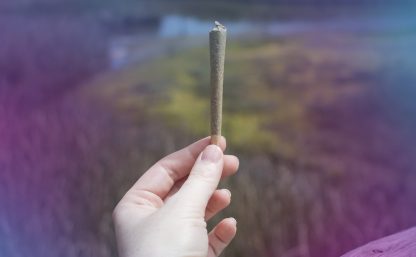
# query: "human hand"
164,214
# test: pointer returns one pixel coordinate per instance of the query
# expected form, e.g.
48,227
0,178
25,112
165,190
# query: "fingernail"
227,191
233,220
212,153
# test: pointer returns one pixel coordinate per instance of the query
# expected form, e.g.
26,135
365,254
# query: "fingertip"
219,200
222,143
231,221
227,229
231,165
226,192
222,235
225,196
235,161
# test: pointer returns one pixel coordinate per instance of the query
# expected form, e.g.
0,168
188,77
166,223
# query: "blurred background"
318,104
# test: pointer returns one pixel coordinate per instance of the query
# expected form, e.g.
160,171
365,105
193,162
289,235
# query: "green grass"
268,88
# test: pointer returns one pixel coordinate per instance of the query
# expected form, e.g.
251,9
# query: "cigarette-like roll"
217,40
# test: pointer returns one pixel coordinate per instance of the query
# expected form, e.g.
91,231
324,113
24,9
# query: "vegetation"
306,121
324,166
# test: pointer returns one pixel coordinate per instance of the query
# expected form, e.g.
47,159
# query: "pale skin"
164,214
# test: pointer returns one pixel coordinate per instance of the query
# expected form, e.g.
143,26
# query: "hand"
164,214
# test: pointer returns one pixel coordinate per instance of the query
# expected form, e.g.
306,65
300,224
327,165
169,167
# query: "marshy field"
318,104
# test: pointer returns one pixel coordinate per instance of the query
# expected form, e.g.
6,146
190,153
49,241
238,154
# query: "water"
132,48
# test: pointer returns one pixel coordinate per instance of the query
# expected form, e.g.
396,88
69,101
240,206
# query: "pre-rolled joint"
215,139
217,42
218,27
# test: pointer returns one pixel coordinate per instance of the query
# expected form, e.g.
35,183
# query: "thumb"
203,180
